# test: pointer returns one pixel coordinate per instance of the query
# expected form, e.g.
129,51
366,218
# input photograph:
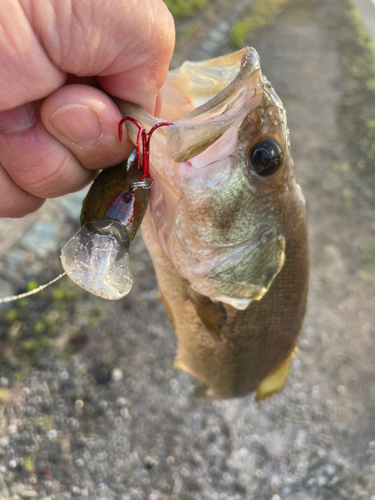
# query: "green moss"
39,327
29,346
260,14
364,276
66,291
23,372
43,423
31,285
11,315
341,167
184,8
15,330
239,32
367,252
348,196
189,32
357,112
29,465
4,396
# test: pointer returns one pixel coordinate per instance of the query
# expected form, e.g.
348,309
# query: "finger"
14,201
36,161
128,44
85,120
23,60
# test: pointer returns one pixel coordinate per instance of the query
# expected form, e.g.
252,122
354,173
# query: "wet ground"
90,406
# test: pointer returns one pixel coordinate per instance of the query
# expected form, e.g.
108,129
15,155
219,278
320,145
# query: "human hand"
54,136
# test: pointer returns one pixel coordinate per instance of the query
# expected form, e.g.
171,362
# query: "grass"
29,465
29,329
185,8
357,112
260,14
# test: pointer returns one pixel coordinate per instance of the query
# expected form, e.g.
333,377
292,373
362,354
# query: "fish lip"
183,142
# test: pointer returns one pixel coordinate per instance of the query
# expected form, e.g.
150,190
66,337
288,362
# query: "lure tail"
97,256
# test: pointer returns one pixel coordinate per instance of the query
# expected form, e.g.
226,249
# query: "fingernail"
79,124
20,118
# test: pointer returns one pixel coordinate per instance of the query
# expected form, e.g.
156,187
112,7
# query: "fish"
226,225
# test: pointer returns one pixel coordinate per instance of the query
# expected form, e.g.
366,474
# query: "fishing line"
145,182
31,292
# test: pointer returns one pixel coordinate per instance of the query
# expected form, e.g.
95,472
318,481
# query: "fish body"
226,225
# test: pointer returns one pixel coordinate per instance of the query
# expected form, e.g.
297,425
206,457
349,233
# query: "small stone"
75,490
341,390
4,441
276,481
120,401
64,376
124,412
4,382
28,494
185,472
25,392
12,429
103,405
151,461
117,374
13,464
170,460
79,404
322,481
155,495
84,492
330,470
80,462
52,434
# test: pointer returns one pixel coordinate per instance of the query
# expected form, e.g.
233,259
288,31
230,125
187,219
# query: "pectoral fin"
179,365
212,314
275,381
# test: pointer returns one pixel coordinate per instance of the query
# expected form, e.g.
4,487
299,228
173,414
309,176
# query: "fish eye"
265,157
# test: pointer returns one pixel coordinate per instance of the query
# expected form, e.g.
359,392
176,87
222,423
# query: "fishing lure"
97,256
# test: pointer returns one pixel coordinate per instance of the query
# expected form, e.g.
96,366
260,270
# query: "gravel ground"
90,406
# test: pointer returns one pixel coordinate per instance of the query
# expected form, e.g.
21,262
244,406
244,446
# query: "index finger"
126,43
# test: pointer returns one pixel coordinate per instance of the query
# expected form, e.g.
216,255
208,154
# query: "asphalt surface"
90,406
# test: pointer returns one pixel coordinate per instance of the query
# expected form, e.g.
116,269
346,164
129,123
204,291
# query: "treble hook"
145,138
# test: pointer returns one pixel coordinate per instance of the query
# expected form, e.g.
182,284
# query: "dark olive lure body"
112,197
97,256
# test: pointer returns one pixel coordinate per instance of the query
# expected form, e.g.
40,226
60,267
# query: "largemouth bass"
226,226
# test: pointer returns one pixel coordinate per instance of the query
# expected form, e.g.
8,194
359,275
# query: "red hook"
145,138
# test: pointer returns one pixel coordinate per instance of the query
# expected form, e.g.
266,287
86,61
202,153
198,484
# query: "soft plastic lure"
97,256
